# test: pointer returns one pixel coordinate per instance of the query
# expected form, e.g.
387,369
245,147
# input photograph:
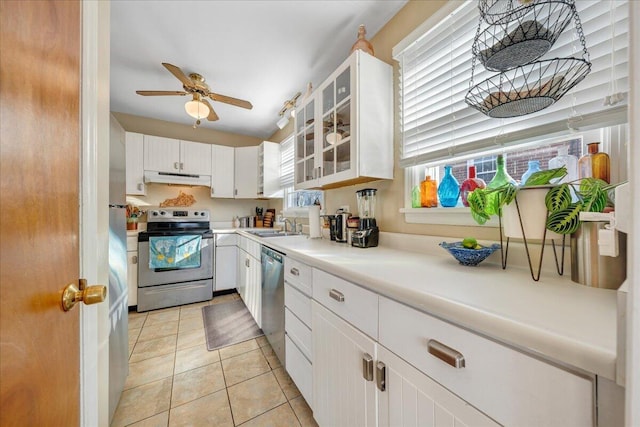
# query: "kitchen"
390,202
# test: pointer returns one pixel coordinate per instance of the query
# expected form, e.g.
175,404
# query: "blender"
367,234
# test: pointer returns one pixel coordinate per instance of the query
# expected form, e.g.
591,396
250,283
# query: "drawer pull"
381,376
446,354
134,259
367,367
295,271
336,295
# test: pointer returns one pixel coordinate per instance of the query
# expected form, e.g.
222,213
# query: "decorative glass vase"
449,189
594,164
565,159
428,193
500,178
470,184
415,197
534,166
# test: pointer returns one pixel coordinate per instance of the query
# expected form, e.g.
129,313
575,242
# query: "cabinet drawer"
226,239
298,332
509,386
298,275
300,370
132,243
356,305
298,303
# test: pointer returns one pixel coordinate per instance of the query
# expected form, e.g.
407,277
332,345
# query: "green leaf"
480,217
558,197
565,221
545,177
477,203
597,201
508,195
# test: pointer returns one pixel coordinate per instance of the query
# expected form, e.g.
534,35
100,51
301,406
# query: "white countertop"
553,318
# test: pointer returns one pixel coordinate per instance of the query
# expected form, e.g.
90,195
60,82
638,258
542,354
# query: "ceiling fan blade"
179,74
229,100
212,117
160,92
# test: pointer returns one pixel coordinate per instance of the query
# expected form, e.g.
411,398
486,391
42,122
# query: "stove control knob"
163,213
154,213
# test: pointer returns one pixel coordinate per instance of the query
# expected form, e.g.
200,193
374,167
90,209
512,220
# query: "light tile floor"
175,381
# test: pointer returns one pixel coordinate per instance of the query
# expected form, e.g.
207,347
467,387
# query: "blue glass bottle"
449,189
534,166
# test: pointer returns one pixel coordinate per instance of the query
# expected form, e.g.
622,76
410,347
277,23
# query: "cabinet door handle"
367,367
134,259
176,165
212,190
235,192
246,262
381,376
446,354
181,165
295,271
140,186
336,295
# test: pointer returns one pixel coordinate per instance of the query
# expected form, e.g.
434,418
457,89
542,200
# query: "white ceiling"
263,51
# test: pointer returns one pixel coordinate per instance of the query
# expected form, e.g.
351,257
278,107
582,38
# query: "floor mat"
228,323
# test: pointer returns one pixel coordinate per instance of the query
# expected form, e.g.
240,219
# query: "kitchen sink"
272,233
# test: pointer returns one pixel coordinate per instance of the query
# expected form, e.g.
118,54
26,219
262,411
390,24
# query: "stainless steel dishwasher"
273,300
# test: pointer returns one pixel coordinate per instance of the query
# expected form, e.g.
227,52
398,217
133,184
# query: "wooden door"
341,394
39,211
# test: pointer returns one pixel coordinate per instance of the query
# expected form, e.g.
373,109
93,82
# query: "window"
435,68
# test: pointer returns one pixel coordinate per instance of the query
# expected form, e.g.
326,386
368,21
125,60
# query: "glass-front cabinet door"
336,144
306,172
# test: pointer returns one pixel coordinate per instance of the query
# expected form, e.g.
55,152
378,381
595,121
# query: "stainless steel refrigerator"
118,290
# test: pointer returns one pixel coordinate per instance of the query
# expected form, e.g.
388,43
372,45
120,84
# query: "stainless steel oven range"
175,258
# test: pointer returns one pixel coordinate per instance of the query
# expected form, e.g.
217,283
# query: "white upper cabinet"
222,171
344,133
134,146
195,158
246,172
269,170
175,156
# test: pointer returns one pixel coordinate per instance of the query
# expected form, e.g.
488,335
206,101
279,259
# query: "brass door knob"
73,294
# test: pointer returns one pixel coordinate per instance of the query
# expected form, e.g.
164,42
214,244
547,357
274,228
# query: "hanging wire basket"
522,36
531,87
527,89
495,11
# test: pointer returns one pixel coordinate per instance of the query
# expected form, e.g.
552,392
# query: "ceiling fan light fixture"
196,109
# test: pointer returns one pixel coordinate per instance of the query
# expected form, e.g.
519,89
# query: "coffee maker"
367,234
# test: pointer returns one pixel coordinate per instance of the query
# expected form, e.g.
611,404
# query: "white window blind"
286,163
435,69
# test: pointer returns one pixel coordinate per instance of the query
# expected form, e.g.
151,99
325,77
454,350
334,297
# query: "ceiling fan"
194,85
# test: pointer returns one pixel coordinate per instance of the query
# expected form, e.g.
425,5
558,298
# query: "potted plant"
563,208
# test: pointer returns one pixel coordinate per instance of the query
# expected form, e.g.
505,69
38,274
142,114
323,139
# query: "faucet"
294,225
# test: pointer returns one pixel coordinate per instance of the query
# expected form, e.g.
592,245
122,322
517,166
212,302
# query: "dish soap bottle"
565,159
428,193
499,179
449,189
534,166
594,164
470,184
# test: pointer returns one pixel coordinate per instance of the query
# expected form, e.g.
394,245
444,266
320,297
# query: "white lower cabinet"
410,398
250,277
132,270
341,394
226,262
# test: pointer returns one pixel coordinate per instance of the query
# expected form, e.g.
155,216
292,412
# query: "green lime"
469,243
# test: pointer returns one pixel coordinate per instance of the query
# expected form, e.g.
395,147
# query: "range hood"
177,178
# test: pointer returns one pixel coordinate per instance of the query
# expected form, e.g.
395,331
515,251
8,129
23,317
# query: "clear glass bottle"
428,193
449,189
565,159
534,166
470,184
500,178
600,163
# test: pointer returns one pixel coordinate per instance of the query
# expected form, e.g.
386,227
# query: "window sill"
443,216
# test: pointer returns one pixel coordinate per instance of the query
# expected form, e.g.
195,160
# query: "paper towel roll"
314,222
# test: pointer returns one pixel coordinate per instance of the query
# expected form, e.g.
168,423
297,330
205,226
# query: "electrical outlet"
345,208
